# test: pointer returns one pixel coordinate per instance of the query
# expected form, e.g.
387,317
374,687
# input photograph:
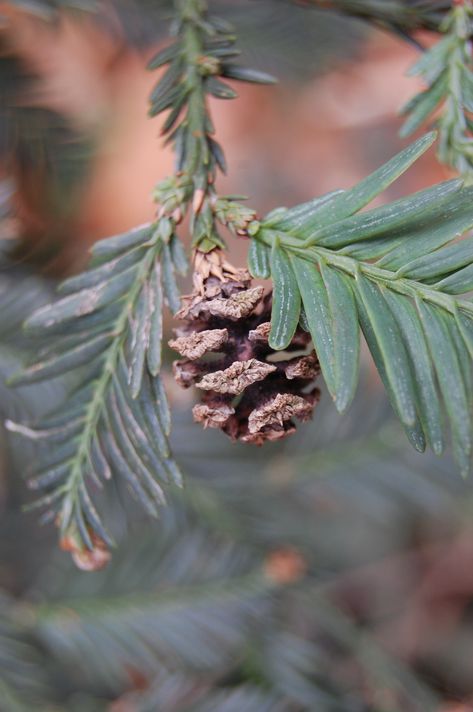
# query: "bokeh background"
331,573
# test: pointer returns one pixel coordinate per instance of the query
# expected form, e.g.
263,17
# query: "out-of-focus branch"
396,15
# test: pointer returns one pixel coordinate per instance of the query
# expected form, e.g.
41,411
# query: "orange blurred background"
283,144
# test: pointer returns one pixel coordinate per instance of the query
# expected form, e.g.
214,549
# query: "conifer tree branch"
107,329
203,52
333,269
398,273
447,70
403,16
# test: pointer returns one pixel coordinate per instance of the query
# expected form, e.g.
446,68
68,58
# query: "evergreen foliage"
109,328
396,271
447,70
237,601
226,607
399,16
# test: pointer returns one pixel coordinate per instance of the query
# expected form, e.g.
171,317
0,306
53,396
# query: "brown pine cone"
224,341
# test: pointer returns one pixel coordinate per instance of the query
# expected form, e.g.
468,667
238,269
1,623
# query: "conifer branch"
203,53
333,270
399,274
399,16
447,70
107,330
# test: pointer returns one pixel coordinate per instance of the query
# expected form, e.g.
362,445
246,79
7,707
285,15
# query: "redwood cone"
224,344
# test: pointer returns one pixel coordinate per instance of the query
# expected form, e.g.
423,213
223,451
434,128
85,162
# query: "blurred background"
331,573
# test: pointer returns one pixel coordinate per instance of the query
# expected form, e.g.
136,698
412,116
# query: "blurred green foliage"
239,597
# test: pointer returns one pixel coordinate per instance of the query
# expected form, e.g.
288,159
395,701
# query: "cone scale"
251,392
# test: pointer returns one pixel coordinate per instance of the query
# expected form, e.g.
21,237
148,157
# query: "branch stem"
383,277
97,405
